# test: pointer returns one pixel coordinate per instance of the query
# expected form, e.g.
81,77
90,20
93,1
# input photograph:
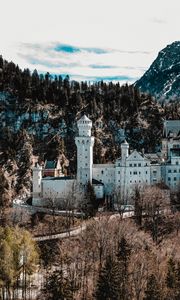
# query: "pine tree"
152,291
108,282
91,204
58,287
123,256
138,207
173,279
178,281
171,274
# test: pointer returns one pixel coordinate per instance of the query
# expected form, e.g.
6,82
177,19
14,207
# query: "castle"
130,170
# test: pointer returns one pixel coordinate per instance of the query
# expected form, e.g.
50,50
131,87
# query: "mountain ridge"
162,79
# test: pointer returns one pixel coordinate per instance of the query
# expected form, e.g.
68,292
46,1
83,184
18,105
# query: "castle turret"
37,178
124,152
84,143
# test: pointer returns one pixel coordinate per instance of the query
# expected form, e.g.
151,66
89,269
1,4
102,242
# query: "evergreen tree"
58,287
108,282
178,281
123,256
90,202
152,291
138,207
173,280
171,274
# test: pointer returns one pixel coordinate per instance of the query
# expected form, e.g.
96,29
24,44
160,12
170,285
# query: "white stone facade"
131,170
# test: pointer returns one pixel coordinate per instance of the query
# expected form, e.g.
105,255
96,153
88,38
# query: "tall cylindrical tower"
84,143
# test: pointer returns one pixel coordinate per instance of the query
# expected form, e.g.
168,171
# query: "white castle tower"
84,143
124,152
37,178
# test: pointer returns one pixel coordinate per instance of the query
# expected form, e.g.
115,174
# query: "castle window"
135,172
175,171
139,165
135,165
169,178
146,172
130,165
139,173
130,173
169,171
175,178
177,163
118,172
102,172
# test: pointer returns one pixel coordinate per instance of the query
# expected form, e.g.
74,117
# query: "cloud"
134,52
158,21
73,49
83,63
102,67
46,62
66,48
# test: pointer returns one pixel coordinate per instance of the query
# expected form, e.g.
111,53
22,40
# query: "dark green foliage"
4,188
138,207
175,200
58,287
152,291
173,280
108,284
123,256
90,204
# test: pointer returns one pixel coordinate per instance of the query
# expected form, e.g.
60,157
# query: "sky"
88,39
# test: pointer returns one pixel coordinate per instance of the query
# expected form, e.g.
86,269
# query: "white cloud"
132,25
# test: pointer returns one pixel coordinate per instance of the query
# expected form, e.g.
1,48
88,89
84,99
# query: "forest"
113,257
48,107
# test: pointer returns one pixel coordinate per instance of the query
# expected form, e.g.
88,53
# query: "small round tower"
37,178
124,151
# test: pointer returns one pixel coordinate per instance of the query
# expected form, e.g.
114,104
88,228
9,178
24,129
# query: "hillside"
38,115
162,79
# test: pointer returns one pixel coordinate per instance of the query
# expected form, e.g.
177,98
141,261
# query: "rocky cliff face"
162,79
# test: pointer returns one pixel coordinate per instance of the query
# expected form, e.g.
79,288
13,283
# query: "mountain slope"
162,79
38,115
